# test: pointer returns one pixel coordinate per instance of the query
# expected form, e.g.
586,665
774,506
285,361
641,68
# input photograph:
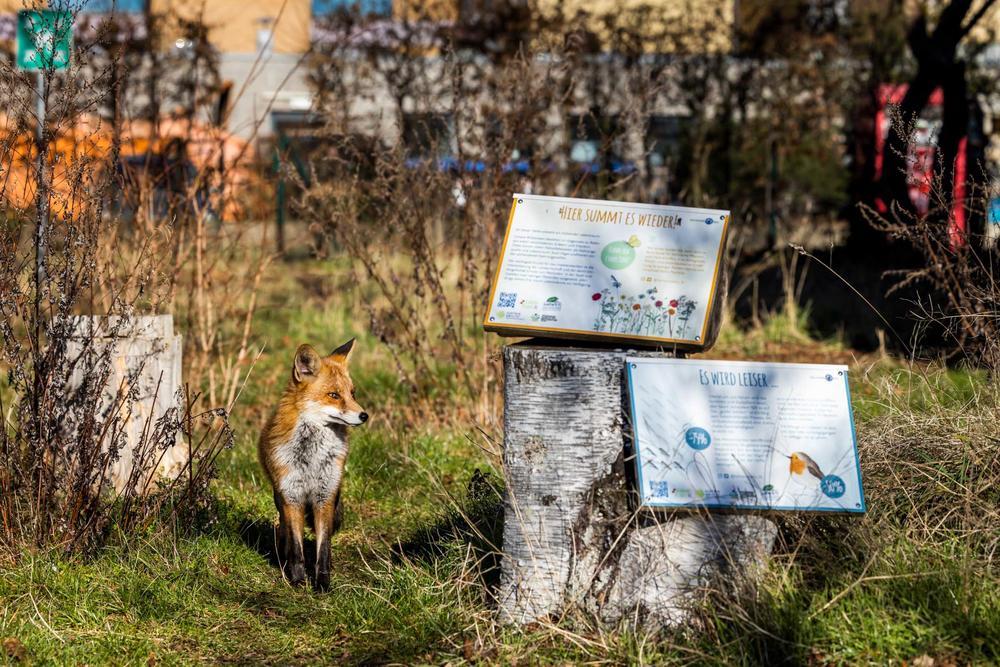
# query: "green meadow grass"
413,564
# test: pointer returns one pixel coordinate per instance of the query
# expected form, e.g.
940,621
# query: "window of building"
474,10
265,36
322,8
109,6
428,135
664,139
520,153
595,139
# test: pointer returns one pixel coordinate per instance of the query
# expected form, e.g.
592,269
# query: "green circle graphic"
617,255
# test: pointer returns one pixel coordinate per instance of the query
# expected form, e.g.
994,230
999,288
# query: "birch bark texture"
145,356
573,537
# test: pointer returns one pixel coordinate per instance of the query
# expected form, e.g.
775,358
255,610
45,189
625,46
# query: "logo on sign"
617,255
697,438
832,486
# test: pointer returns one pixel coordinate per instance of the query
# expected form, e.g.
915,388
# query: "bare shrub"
88,232
430,127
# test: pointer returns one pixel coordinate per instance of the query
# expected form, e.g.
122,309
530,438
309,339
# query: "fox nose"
363,417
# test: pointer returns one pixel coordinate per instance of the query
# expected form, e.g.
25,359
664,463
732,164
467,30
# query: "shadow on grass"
260,535
479,523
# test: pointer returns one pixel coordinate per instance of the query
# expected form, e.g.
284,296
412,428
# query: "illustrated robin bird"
799,463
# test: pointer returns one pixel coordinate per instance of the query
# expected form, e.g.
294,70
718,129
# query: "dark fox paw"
297,574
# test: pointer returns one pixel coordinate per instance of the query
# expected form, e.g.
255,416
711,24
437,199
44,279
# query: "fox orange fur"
303,449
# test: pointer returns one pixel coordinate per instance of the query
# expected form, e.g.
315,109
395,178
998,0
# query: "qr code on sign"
658,489
507,300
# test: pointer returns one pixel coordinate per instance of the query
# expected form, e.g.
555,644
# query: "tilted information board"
746,435
603,270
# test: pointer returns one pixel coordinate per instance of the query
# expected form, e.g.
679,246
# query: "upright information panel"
602,270
736,434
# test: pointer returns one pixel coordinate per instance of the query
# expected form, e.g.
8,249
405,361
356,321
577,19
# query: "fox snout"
361,417
352,418
353,413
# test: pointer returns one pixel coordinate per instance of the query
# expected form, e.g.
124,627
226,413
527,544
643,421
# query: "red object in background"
921,156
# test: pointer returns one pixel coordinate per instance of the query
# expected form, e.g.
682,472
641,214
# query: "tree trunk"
574,538
146,364
935,54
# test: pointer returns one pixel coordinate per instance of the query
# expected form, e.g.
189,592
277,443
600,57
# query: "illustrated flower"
672,311
659,304
636,306
596,296
673,303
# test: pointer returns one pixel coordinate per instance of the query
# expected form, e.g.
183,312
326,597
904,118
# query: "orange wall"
233,24
433,10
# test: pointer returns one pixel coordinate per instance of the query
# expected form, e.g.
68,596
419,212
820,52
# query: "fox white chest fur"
314,458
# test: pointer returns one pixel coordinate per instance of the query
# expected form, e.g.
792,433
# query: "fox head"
323,385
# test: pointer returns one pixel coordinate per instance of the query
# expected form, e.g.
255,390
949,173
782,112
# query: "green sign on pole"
44,39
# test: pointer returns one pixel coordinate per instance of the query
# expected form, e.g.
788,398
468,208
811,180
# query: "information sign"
748,435
603,270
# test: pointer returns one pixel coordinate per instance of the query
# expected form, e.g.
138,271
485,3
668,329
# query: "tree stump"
574,537
146,360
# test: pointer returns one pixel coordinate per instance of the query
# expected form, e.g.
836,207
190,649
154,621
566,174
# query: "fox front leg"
338,513
326,517
294,520
281,532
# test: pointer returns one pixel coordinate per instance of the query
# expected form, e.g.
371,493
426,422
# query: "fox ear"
306,363
343,353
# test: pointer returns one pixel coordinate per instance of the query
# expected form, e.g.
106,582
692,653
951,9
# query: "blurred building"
261,45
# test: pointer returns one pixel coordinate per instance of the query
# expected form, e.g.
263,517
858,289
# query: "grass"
412,568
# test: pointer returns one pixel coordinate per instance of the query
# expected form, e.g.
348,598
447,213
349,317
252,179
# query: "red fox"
303,448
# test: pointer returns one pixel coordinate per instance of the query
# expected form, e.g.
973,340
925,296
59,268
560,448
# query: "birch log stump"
573,538
145,357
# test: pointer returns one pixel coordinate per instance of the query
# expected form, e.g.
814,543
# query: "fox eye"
334,395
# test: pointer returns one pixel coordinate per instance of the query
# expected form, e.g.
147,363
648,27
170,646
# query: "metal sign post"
44,45
42,203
